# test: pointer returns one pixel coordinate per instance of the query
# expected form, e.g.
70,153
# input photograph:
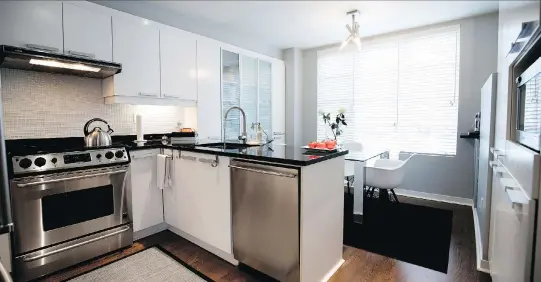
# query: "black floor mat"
415,234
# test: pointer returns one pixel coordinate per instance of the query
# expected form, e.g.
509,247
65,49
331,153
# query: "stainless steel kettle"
97,137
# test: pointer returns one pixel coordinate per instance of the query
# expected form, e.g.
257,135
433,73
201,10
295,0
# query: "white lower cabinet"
202,195
146,198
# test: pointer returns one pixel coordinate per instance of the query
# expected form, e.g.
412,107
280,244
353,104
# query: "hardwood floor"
359,265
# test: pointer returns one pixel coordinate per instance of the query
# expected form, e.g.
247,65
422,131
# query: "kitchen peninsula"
271,207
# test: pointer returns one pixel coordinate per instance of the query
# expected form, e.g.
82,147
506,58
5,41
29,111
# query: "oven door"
55,208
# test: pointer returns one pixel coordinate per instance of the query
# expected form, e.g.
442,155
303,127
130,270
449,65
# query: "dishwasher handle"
288,175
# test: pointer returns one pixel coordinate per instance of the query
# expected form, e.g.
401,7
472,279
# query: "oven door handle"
70,178
28,259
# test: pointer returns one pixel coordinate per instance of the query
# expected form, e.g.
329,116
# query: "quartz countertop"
283,154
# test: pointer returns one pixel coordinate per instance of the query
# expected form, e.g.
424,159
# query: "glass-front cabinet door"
248,94
246,82
265,97
231,93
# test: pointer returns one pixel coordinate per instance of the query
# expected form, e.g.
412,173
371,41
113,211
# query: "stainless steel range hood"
28,59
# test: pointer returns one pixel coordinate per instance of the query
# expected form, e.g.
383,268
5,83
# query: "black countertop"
282,154
270,153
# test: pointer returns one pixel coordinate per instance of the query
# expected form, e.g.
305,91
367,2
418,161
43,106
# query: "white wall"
294,118
204,28
45,105
454,175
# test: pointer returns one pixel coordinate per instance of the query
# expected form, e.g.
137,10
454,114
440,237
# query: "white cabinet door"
217,194
208,84
204,208
190,207
31,22
511,237
178,64
137,47
278,102
87,33
146,197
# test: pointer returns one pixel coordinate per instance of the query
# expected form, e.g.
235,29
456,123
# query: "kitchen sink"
226,145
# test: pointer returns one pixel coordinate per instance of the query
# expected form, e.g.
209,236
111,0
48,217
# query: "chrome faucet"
243,136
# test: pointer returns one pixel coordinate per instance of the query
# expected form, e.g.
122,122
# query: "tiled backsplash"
43,105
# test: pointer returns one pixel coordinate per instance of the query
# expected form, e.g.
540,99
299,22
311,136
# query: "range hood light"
57,64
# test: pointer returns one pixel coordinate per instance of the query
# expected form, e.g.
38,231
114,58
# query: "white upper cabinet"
137,47
178,64
278,102
87,33
32,23
208,85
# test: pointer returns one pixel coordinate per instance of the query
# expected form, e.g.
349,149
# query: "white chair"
386,174
349,169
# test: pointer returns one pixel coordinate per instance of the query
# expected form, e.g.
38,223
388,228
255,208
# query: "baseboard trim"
434,197
332,271
218,252
149,231
482,265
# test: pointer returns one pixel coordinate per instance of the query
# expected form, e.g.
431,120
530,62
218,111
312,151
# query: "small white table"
360,158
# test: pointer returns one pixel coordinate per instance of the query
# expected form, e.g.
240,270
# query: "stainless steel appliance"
528,111
97,137
68,207
47,59
265,200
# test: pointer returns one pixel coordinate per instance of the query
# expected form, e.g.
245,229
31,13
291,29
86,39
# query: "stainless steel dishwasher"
265,207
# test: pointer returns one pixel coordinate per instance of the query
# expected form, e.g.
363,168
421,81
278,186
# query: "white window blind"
401,92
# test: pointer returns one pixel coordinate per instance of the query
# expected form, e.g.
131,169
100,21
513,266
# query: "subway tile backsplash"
43,105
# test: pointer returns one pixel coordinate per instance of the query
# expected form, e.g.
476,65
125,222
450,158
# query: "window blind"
401,92
334,89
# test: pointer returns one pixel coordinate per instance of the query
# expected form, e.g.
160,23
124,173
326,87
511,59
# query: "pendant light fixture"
353,31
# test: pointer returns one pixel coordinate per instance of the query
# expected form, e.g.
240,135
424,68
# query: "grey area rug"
148,265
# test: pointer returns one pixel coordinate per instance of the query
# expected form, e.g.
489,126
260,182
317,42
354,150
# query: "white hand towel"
161,171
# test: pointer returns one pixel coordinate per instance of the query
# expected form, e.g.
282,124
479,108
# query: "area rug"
415,234
152,264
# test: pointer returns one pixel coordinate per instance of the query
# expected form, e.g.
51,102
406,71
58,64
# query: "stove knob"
119,154
98,156
25,163
109,155
54,160
40,161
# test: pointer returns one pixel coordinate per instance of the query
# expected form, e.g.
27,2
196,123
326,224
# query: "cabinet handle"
82,54
277,133
148,94
264,171
171,96
213,163
176,97
28,258
189,158
42,48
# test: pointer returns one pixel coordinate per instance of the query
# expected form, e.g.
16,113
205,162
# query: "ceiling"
307,24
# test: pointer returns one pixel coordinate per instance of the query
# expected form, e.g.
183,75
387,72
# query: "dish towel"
162,172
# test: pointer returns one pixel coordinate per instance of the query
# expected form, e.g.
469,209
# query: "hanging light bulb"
353,32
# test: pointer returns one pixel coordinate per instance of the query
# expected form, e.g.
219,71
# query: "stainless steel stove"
68,206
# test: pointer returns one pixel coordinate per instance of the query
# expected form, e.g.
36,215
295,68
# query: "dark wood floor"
359,265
